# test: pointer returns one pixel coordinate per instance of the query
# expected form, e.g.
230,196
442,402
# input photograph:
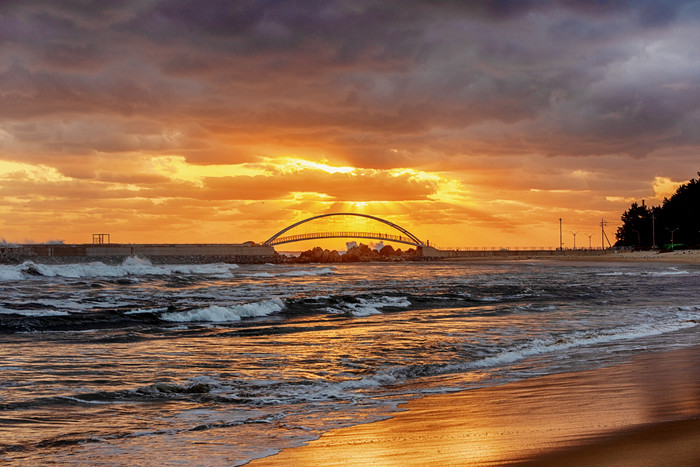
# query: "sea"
217,364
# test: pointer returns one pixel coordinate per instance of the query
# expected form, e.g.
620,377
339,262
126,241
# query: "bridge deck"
318,235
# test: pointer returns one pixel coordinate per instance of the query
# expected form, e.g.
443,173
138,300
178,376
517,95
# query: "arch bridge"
398,234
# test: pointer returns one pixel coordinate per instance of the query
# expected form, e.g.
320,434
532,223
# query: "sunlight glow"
37,173
295,164
177,168
309,196
618,199
664,187
539,190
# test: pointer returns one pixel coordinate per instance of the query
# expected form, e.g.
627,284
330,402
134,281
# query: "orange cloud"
476,122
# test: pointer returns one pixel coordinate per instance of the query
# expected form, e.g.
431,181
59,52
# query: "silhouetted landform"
356,254
673,225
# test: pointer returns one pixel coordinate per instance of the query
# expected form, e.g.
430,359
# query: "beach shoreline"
645,412
677,256
574,256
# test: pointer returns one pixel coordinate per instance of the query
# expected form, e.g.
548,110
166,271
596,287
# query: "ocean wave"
37,313
310,272
132,266
671,272
295,273
683,318
222,314
668,272
368,306
139,311
10,273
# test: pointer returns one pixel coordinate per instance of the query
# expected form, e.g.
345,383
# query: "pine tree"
636,228
678,218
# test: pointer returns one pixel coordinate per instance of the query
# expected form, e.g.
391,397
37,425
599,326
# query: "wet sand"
646,412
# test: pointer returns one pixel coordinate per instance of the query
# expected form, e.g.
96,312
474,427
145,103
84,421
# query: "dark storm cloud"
378,84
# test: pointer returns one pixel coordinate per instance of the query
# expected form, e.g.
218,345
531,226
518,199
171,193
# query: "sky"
471,124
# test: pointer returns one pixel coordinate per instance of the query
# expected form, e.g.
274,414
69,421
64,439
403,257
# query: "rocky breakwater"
355,254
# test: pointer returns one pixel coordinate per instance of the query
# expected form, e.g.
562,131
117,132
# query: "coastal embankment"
252,253
115,253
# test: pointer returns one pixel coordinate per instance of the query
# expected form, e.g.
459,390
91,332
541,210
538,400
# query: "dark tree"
679,214
636,228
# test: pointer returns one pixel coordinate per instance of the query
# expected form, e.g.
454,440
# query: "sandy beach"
678,256
646,412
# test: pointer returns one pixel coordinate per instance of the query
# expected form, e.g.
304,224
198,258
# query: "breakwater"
114,253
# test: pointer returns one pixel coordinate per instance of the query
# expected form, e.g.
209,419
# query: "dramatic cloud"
493,117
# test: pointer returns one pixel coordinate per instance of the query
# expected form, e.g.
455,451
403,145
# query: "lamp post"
574,234
672,230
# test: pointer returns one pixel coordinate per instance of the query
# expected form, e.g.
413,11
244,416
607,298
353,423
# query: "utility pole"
653,230
561,243
603,237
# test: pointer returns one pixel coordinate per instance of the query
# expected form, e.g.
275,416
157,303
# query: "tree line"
676,222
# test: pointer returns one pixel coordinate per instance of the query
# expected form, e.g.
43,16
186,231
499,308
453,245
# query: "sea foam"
684,318
132,266
365,307
34,313
221,314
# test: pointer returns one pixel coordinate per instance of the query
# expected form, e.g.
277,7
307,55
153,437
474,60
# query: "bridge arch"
407,237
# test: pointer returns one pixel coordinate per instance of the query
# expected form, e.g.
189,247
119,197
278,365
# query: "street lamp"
672,230
574,234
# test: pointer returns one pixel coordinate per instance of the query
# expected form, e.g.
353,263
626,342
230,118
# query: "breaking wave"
132,266
683,318
668,272
368,306
295,273
222,314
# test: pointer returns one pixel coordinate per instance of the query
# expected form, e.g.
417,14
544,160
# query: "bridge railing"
318,235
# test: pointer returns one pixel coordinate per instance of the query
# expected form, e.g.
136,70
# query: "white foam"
668,272
10,273
71,304
34,312
221,314
139,311
296,273
366,307
686,318
262,274
132,266
309,272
